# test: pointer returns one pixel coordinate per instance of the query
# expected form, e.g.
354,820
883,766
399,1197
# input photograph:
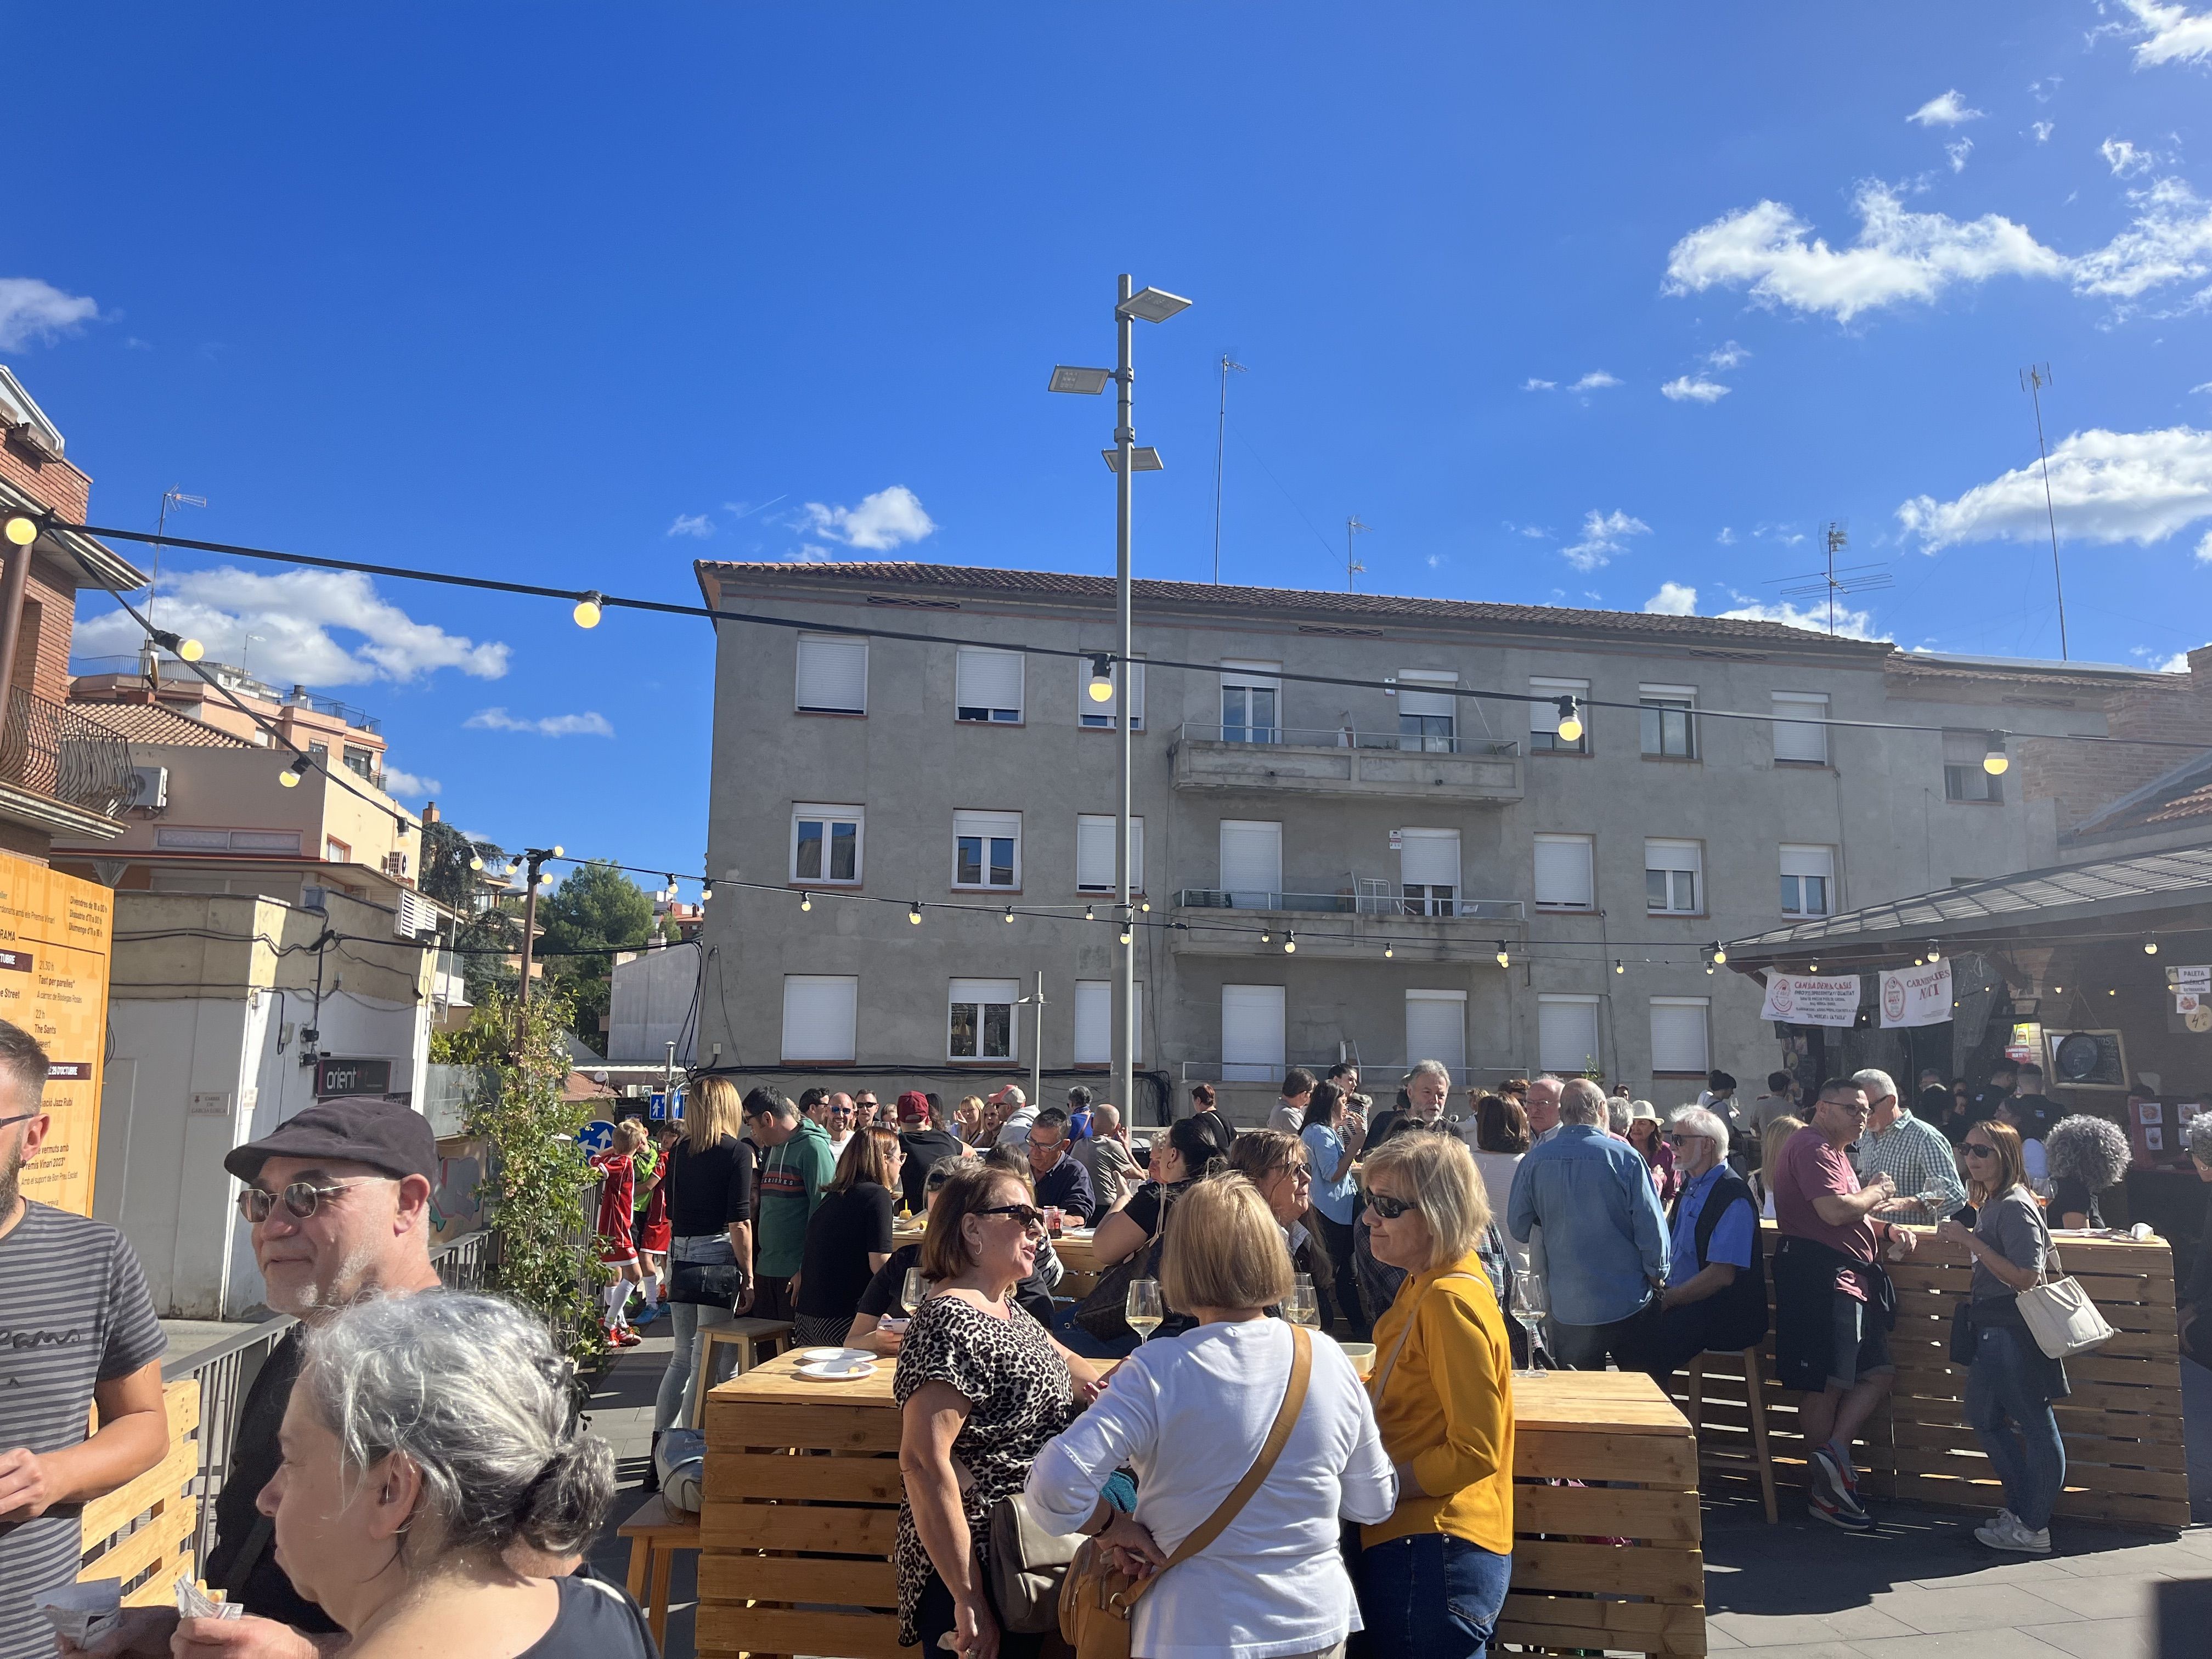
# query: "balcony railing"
1361,903
51,750
1345,737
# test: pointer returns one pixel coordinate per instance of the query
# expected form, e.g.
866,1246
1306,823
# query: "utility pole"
1220,443
535,859
1125,475
2033,379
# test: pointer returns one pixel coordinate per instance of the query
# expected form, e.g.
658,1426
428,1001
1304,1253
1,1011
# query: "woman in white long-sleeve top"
1189,1414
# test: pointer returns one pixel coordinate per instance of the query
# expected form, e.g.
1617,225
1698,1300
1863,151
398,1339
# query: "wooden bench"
655,1533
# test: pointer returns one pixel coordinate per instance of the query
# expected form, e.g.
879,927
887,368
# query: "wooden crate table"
803,1490
1078,1252
2126,1459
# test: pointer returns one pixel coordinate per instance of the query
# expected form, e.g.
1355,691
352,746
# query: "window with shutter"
1428,721
1809,880
1428,871
1094,1022
825,844
833,675
1797,741
1249,692
820,1016
1669,728
980,1023
1566,1034
1563,879
1094,854
1436,1028
1544,717
987,685
1674,877
1963,777
1677,1035
1099,716
987,849
1251,862
1251,1033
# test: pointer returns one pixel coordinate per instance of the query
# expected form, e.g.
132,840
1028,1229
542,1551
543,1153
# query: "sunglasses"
301,1199
1387,1207
1682,1140
1973,1149
1030,1218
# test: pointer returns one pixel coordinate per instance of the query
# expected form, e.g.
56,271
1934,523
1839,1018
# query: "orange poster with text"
55,936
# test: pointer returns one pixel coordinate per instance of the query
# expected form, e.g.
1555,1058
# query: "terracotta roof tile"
151,723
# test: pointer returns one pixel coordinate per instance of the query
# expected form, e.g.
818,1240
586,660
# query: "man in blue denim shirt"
1605,1240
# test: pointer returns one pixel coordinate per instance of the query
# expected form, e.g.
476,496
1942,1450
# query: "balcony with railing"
1358,920
1345,761
51,751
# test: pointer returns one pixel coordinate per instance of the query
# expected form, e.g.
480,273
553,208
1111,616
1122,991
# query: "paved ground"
621,1409
188,1336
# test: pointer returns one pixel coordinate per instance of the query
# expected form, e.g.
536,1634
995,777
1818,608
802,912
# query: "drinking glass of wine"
1301,1306
1529,1307
1144,1310
912,1293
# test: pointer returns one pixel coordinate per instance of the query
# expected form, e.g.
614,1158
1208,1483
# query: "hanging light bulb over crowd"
1102,679
588,609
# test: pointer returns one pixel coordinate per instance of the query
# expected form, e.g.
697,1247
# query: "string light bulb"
291,774
2150,947
1619,966
806,901
1389,949
1571,723
475,861
1102,679
913,913
558,851
1720,957
21,531
1125,932
1088,914
1290,944
1812,967
184,649
1994,762
588,611
1934,955
1505,957
1147,906
1267,936
706,891
1009,917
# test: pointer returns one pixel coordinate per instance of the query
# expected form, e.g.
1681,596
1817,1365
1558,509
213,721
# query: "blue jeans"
1431,1596
2003,1394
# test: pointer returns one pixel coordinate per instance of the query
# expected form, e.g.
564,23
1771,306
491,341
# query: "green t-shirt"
792,1179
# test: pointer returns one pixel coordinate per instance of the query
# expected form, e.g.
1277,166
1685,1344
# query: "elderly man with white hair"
1912,1151
1605,1240
1715,1294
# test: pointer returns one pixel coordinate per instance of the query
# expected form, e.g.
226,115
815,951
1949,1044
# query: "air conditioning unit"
414,914
395,865
2086,1059
149,787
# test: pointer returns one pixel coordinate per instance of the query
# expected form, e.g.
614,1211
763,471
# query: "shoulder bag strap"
1382,1380
1286,1418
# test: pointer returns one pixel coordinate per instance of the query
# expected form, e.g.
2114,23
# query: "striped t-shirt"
73,1311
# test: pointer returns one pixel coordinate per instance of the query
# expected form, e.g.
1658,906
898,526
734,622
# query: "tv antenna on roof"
1834,580
1352,568
2033,379
173,496
1220,439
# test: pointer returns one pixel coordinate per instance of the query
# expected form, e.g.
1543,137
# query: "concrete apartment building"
1402,836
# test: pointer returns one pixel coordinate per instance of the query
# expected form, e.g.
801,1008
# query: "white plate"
829,1373
834,1356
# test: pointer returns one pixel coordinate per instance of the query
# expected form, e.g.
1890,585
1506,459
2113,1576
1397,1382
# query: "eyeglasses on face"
1036,1144
1674,1139
1387,1207
301,1199
1030,1218
1975,1149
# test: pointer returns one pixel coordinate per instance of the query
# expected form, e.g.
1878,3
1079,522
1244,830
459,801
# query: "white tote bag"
2058,1313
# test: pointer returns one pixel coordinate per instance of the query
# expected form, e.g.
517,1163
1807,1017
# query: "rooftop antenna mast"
1228,363
173,496
1834,580
1352,568
2033,379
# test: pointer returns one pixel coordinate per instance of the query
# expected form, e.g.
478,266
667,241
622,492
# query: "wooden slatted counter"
142,1532
2125,1460
794,1547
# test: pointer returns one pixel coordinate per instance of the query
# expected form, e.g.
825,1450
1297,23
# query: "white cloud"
1437,561
2043,130
407,784
1901,256
1604,535
2108,487
1945,110
1850,624
881,521
2172,34
692,524
2036,87
1673,599
588,725
1699,390
1727,537
2124,158
31,310
1532,384
1730,355
291,616
1958,149
1596,380
2207,387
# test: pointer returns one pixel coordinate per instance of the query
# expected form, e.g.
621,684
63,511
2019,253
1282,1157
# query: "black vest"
1738,1313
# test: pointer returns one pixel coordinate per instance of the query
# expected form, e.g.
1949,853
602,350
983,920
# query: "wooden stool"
1754,1390
750,1337
655,1533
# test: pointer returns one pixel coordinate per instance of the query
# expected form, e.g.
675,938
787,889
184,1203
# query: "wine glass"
912,1293
1143,1309
1301,1306
1530,1304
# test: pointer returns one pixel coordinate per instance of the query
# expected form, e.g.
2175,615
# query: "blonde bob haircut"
1436,1174
1224,1248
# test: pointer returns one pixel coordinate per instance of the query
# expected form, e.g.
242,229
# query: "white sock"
616,1294
652,1288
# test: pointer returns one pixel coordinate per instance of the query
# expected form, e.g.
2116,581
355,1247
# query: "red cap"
912,1106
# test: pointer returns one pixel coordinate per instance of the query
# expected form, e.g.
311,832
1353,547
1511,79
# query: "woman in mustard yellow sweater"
1432,1578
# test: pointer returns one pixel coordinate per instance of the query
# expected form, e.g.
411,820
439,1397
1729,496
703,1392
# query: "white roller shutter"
1563,872
833,674
1429,858
988,679
1094,854
1794,739
1436,1028
1260,676
1809,861
1566,1033
1094,1022
1413,699
1677,1033
820,1014
1251,1033
1251,857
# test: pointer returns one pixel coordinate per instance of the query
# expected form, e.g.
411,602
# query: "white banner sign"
1915,996
1806,1000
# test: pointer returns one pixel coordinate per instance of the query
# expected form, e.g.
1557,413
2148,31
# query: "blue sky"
576,296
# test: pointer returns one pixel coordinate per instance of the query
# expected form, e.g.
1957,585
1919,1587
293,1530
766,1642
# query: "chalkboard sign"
337,1078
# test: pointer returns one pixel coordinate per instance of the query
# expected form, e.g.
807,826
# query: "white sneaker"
2008,1532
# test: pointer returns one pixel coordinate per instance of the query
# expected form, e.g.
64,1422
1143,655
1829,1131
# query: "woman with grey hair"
431,1440
2086,1155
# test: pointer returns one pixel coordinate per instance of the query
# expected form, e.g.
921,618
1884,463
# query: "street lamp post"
1127,458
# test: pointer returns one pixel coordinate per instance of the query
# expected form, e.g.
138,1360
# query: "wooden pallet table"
803,1490
2125,1460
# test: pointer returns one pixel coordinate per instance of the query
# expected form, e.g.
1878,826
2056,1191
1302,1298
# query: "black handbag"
707,1284
1104,1312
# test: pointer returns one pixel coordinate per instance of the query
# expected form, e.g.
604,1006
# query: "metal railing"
1349,904
227,1373
1377,1077
52,750
1345,736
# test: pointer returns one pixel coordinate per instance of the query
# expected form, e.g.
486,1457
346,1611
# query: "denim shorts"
1862,1347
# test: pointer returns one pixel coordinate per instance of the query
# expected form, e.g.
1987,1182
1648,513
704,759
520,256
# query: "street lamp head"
1153,305
1143,458
1090,382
